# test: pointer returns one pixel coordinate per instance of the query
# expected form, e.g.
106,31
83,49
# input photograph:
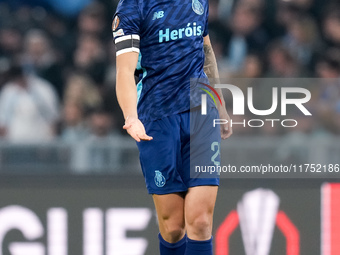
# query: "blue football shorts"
182,144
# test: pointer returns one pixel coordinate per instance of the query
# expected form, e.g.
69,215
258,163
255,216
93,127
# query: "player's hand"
136,130
226,129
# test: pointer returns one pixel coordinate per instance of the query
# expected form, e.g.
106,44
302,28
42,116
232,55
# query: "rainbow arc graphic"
204,97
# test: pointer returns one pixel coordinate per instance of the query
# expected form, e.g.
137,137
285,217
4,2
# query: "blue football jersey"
168,35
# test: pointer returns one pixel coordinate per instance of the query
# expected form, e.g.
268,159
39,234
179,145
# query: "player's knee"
173,233
200,226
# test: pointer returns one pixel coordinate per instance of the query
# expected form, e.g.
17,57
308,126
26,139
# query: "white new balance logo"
158,15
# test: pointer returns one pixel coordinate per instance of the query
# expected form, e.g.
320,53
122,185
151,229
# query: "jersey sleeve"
206,27
126,27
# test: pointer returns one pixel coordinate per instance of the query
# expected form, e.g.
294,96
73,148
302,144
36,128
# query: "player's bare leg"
170,212
199,210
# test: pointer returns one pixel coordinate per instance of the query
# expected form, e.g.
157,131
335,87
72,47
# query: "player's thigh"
170,212
199,209
160,157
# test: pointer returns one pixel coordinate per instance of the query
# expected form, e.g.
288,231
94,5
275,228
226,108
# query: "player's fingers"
127,126
134,136
145,137
226,136
226,132
230,132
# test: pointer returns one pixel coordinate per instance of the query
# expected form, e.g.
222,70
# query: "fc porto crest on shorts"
197,7
159,179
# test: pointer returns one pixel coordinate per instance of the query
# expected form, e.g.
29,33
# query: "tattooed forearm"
210,65
211,70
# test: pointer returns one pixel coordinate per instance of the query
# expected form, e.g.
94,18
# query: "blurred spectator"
74,129
224,8
281,62
101,138
90,57
331,25
328,66
28,108
302,6
80,89
286,13
302,40
101,126
328,91
253,67
217,32
246,35
39,58
10,42
92,19
57,30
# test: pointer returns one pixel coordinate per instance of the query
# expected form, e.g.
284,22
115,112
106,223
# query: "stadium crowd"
58,70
